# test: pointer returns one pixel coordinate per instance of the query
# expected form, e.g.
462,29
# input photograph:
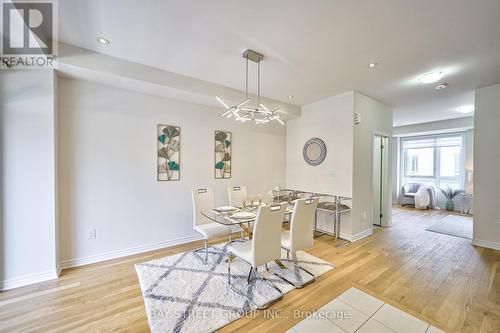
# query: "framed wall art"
222,154
168,152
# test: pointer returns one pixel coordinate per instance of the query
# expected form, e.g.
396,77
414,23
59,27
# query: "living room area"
433,170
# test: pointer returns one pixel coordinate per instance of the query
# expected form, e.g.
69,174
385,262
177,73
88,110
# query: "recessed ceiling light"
465,109
290,96
441,86
431,77
103,40
373,64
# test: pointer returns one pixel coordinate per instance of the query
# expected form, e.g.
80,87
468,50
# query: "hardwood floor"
441,279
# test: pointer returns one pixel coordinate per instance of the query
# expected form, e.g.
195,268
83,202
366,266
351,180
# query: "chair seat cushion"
285,240
242,250
410,194
212,229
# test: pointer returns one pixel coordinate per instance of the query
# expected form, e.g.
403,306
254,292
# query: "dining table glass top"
236,215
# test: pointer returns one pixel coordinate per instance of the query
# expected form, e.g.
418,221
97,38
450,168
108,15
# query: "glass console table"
329,203
466,203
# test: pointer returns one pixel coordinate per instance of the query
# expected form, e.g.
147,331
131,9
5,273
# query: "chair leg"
249,275
206,251
295,285
241,293
228,269
205,248
274,287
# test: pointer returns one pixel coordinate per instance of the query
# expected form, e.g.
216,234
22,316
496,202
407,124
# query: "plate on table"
223,209
244,215
254,204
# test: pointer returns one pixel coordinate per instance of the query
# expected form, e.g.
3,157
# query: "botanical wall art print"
222,155
168,152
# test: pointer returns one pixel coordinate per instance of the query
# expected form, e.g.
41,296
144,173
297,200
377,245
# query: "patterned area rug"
182,294
454,225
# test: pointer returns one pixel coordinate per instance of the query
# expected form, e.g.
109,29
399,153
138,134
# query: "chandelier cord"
246,77
258,85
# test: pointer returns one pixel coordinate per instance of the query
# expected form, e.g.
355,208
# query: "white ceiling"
313,49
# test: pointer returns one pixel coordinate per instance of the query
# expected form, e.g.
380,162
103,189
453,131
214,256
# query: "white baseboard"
488,244
54,274
356,237
362,234
127,252
28,279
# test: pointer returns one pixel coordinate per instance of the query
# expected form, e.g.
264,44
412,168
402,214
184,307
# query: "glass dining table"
241,217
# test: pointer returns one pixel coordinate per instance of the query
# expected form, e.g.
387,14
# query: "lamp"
469,183
259,114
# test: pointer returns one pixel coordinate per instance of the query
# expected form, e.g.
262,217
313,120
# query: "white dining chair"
237,195
263,248
203,199
301,233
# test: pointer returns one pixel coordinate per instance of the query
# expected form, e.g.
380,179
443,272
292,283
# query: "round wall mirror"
314,151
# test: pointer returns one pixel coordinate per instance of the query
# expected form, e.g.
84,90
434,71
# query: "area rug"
459,226
182,294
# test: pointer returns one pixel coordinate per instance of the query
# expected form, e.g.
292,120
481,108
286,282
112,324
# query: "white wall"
432,127
486,167
107,163
347,169
28,226
376,118
331,121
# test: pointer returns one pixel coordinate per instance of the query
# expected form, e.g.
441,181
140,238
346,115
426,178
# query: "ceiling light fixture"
290,96
259,114
373,65
103,40
465,109
431,77
441,86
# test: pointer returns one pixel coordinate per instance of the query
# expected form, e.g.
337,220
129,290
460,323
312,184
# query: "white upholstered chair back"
266,241
302,222
237,194
203,199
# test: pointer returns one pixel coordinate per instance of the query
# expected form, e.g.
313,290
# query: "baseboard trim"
362,234
54,274
356,237
487,244
28,279
127,252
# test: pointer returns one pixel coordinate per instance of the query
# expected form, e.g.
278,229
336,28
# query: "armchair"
408,192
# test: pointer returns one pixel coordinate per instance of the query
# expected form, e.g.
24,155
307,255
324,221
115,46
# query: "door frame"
386,184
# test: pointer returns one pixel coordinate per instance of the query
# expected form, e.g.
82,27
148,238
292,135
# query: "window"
420,162
438,160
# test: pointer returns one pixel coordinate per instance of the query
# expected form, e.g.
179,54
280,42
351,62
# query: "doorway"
379,180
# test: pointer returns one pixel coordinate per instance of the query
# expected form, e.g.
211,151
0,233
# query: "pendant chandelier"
259,114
